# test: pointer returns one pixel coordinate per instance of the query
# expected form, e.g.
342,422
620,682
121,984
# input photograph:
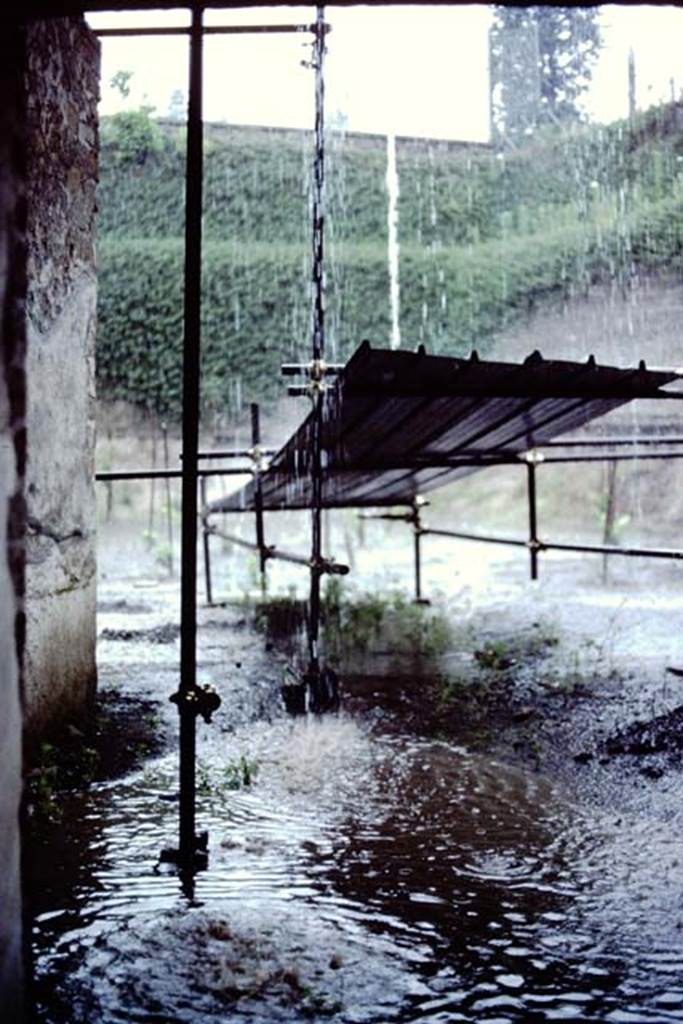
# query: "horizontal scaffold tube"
475,536
165,474
610,457
237,453
612,549
324,566
491,459
589,549
607,442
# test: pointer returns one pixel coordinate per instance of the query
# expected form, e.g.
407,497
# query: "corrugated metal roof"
398,424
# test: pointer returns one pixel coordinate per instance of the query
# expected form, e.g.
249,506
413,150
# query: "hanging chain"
318,189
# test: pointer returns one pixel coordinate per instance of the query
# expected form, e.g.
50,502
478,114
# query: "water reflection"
361,879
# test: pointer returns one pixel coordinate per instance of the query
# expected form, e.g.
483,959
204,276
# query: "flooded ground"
386,864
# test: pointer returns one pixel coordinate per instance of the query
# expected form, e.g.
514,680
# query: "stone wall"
12,438
62,87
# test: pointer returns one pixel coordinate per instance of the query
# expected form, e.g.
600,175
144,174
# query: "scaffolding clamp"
325,566
256,454
197,700
413,517
317,372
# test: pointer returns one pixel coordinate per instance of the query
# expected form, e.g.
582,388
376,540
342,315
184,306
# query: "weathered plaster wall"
62,88
12,437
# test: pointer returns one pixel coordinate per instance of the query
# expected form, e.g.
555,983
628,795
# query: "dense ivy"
255,314
482,238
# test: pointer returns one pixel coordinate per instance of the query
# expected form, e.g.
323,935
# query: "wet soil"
526,713
492,835
119,734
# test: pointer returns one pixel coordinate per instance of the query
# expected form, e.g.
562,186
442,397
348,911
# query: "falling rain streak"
393,246
369,874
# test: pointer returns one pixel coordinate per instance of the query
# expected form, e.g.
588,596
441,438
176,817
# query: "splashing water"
359,878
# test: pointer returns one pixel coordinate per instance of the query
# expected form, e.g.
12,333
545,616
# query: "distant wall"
12,353
62,85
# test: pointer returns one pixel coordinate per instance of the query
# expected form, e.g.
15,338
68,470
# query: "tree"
541,61
569,43
121,82
177,106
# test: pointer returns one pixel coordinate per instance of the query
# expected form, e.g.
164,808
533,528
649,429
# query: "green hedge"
255,315
255,310
482,240
454,300
256,187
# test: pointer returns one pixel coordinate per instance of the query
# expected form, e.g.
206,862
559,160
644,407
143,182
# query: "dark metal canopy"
398,424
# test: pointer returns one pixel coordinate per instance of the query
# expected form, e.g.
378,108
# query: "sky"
419,70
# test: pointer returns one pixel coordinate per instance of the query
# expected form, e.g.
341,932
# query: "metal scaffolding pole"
258,493
206,548
418,531
318,690
317,382
163,474
534,545
190,698
417,534
191,355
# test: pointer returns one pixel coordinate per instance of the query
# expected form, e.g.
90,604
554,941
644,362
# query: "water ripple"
362,880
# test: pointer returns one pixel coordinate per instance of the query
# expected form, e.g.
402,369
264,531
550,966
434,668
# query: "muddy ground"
545,711
570,676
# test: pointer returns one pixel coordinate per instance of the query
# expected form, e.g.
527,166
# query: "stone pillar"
12,445
62,86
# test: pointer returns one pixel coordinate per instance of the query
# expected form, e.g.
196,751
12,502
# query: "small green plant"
452,689
571,679
426,631
163,555
353,625
239,773
495,656
203,778
42,785
501,654
280,617
59,768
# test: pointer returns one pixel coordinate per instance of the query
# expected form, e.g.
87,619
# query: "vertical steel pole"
258,492
191,364
317,380
316,536
206,535
533,525
169,513
417,538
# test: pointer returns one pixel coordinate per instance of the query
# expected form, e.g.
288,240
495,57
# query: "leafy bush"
131,137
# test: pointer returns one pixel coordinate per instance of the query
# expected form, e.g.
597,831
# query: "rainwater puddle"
359,879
